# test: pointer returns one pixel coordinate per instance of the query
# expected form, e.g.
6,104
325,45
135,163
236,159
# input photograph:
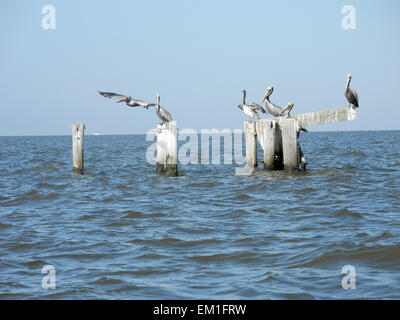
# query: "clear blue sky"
198,55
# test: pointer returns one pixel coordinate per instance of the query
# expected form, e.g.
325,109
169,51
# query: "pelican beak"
265,97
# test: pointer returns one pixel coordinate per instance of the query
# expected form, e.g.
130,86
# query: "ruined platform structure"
278,137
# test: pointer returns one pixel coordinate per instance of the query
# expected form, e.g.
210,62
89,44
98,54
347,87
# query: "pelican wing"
355,95
140,103
112,95
164,115
258,107
351,96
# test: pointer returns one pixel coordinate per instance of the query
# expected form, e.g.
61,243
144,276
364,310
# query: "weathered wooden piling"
77,147
269,136
289,128
167,149
250,135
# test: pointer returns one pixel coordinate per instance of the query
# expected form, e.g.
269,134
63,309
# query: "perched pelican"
273,109
127,99
250,110
350,94
288,108
163,114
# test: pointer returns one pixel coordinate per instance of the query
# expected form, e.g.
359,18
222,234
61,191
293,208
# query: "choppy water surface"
120,232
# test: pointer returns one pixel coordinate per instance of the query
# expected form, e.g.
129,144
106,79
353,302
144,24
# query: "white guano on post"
167,149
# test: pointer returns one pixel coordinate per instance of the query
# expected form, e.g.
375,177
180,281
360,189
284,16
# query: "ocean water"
121,232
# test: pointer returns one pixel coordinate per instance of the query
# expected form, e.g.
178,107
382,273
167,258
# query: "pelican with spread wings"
127,99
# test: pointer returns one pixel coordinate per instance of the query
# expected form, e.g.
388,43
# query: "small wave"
100,211
307,190
357,254
260,210
349,166
152,256
122,187
241,196
86,217
78,256
347,213
107,281
268,278
45,185
24,246
174,242
352,153
130,214
297,296
5,225
149,272
128,288
32,195
381,169
383,236
116,224
234,213
245,257
201,185
35,264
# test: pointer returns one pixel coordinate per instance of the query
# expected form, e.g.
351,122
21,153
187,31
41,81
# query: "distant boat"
96,134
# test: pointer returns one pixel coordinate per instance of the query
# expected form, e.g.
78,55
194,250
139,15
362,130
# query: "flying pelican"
127,99
350,94
250,110
163,114
273,109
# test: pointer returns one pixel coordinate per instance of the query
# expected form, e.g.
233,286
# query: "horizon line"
138,134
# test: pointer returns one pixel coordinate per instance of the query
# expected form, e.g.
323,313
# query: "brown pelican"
288,108
350,94
127,99
250,110
273,109
163,114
